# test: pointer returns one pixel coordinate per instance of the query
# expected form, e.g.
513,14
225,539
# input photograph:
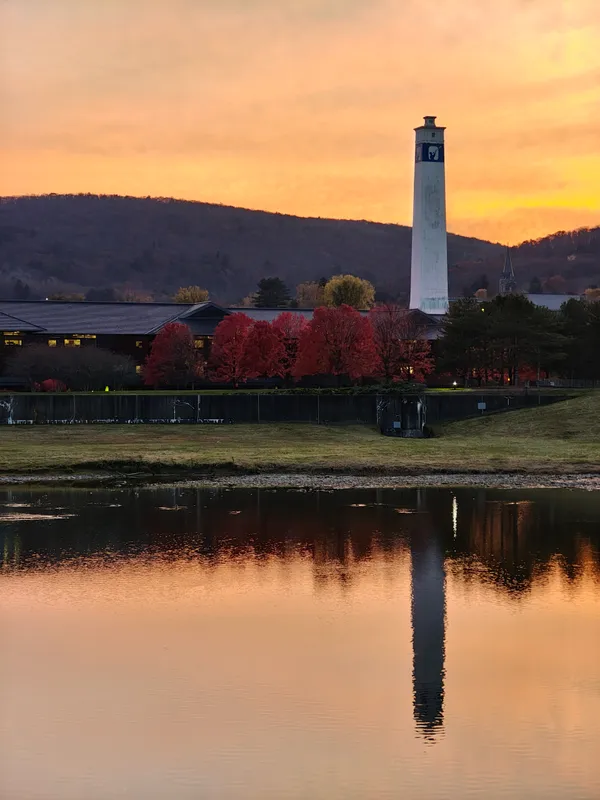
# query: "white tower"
429,260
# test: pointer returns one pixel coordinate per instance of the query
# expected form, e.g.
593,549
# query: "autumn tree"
400,344
337,341
71,297
555,284
190,294
310,294
228,355
265,353
290,327
249,301
173,359
592,294
129,295
349,290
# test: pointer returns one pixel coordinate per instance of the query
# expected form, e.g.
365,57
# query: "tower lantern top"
429,124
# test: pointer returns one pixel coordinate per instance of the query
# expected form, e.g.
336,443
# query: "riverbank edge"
326,479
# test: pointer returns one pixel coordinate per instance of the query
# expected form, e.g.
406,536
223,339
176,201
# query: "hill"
577,419
81,242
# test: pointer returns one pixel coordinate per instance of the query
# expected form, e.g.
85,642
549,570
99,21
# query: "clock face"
433,152
419,152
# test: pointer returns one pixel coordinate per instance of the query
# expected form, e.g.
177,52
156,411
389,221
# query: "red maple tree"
402,351
173,359
337,341
228,354
265,354
290,327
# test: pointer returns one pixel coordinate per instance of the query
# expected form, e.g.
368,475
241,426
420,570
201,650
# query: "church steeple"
507,283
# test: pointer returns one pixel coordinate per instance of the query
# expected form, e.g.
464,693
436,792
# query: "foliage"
290,327
337,341
272,293
555,284
248,302
535,286
228,356
173,359
73,297
350,291
190,294
402,351
128,295
494,341
581,325
265,352
310,294
77,368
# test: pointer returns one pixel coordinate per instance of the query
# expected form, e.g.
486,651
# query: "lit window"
52,342
72,342
199,344
12,333
84,335
138,369
13,342
139,344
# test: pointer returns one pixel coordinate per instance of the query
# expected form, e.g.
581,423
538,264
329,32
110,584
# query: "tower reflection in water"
428,620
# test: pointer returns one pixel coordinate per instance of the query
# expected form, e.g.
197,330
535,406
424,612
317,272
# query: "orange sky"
307,106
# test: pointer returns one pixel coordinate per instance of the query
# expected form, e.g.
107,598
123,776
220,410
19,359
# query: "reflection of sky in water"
295,648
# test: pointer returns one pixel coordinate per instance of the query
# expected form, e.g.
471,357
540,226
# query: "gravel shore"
589,482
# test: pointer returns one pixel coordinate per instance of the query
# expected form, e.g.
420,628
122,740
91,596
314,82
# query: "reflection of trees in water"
513,542
510,539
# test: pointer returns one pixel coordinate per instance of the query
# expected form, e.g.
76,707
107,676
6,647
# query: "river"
170,644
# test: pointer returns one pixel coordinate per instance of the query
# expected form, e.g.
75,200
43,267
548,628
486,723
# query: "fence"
132,408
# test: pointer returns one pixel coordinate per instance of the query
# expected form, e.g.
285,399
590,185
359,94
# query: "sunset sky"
307,106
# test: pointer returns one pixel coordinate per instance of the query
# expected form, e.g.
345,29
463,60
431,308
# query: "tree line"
386,345
271,292
505,341
509,340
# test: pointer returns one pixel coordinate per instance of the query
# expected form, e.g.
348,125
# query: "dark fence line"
64,409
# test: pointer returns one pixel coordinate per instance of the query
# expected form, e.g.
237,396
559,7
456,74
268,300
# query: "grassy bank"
562,438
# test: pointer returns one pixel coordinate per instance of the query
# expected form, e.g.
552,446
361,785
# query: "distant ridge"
79,242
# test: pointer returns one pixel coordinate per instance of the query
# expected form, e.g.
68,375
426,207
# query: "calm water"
177,644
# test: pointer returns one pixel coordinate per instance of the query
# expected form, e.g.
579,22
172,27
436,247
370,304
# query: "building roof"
551,301
11,323
64,318
61,317
269,314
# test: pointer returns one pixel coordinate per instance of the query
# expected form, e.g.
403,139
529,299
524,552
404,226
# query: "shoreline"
327,481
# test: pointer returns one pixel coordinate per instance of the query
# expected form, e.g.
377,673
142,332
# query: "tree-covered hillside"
74,243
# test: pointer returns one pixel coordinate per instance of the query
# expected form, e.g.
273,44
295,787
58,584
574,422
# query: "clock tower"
429,258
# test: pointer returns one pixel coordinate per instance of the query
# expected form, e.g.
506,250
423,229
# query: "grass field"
562,438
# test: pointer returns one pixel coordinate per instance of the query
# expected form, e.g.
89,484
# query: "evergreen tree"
535,286
272,293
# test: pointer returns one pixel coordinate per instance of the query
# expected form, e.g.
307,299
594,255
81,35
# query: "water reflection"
428,619
310,609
